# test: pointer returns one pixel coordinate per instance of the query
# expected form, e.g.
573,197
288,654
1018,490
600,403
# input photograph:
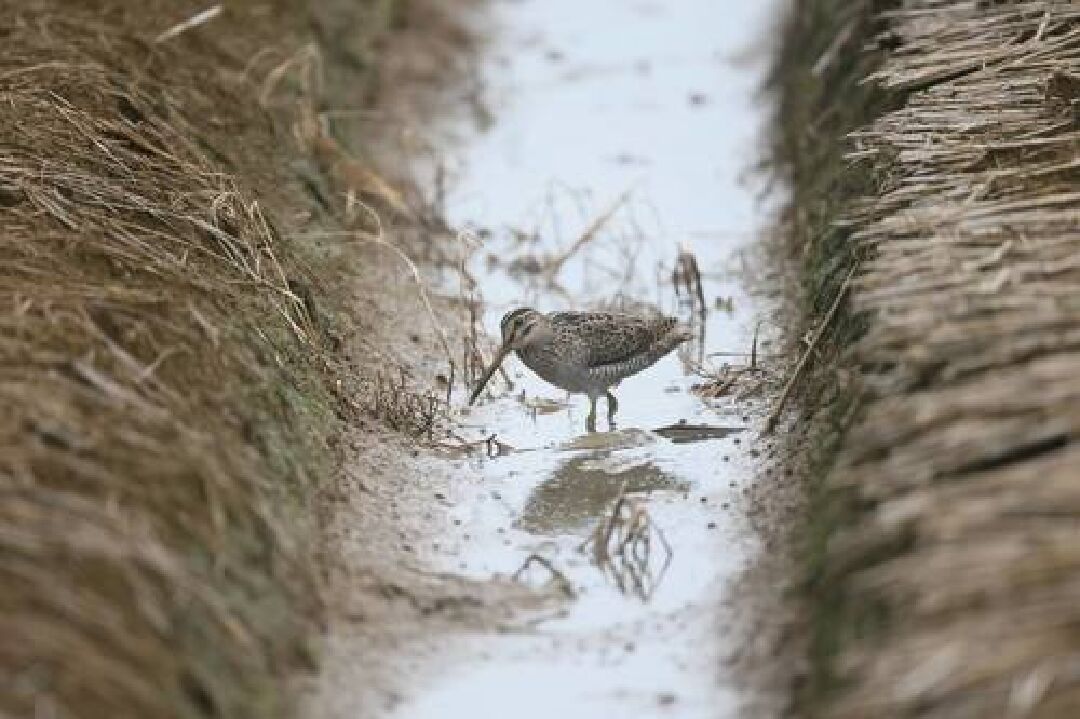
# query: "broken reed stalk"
687,275
753,347
804,360
591,232
194,21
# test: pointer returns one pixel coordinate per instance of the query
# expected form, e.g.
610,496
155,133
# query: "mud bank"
944,559
175,256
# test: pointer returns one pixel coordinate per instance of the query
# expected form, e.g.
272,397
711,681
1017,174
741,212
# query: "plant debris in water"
685,432
630,548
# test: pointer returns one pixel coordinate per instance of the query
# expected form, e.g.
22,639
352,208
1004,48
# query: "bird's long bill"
498,359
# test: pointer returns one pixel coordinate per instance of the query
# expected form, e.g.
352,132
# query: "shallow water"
590,101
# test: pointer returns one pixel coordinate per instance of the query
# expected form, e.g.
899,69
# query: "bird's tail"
673,335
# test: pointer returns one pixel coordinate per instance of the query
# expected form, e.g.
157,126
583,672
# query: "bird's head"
524,327
521,328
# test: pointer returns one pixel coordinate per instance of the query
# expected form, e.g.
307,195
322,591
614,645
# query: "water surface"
653,103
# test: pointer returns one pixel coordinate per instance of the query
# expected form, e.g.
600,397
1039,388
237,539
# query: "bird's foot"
612,408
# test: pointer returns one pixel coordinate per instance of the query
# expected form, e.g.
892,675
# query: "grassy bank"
817,83
167,355
940,459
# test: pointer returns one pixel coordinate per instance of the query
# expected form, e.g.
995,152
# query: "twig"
753,348
450,385
194,21
774,416
306,58
493,446
556,263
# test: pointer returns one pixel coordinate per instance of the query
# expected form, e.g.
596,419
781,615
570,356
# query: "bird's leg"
590,421
612,408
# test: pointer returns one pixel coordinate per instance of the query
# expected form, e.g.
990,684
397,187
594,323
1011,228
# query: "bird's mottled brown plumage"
587,352
591,351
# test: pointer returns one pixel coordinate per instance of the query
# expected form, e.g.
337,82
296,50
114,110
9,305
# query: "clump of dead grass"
403,409
158,374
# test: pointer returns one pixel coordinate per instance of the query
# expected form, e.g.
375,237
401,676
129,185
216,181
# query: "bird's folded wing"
612,338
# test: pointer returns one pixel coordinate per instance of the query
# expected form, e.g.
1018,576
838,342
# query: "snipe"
585,352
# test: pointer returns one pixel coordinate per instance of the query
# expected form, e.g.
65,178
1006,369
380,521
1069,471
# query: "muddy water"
647,107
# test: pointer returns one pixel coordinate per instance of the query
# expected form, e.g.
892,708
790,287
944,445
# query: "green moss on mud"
817,81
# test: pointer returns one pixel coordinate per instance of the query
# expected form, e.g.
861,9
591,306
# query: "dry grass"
160,370
955,573
171,361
